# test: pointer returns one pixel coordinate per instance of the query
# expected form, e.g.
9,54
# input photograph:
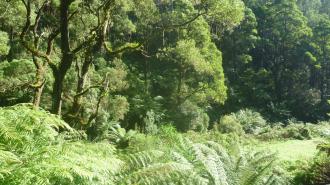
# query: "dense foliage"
33,151
187,62
276,60
163,91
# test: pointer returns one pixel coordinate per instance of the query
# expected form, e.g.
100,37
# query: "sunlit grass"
292,150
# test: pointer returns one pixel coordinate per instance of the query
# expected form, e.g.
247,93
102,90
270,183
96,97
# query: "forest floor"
292,150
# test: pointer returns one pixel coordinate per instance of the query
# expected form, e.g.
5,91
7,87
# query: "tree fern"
198,163
154,167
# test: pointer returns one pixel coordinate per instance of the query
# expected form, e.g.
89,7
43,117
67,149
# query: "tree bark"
37,96
57,93
82,75
40,82
66,60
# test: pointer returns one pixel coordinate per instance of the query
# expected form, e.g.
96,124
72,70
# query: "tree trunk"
66,60
82,75
37,96
40,84
57,93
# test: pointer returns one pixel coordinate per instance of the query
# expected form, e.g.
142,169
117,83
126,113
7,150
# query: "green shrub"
168,133
251,121
292,131
229,124
316,173
247,120
150,122
191,117
15,78
4,43
297,131
321,129
271,133
120,137
230,141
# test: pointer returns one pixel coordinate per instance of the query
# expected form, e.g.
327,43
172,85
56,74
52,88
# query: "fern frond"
36,153
144,158
212,164
164,173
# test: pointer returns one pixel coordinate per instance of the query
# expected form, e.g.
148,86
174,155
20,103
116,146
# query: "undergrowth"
39,148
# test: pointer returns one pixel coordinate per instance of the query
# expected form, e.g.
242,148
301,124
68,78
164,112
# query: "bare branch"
37,19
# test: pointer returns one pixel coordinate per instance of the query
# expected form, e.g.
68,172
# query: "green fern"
33,152
158,167
8,162
198,163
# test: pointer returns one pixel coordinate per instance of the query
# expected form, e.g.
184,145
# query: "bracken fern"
34,152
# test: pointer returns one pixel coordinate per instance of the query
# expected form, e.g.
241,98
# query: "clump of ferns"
186,163
250,168
8,162
258,168
157,167
32,151
210,160
71,163
198,163
23,128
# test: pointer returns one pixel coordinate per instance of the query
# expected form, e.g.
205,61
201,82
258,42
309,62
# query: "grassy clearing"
292,150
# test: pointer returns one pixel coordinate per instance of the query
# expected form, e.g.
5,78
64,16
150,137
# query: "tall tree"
236,46
322,48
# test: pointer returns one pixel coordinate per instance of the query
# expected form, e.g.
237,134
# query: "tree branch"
173,26
32,49
84,44
121,49
188,22
87,89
